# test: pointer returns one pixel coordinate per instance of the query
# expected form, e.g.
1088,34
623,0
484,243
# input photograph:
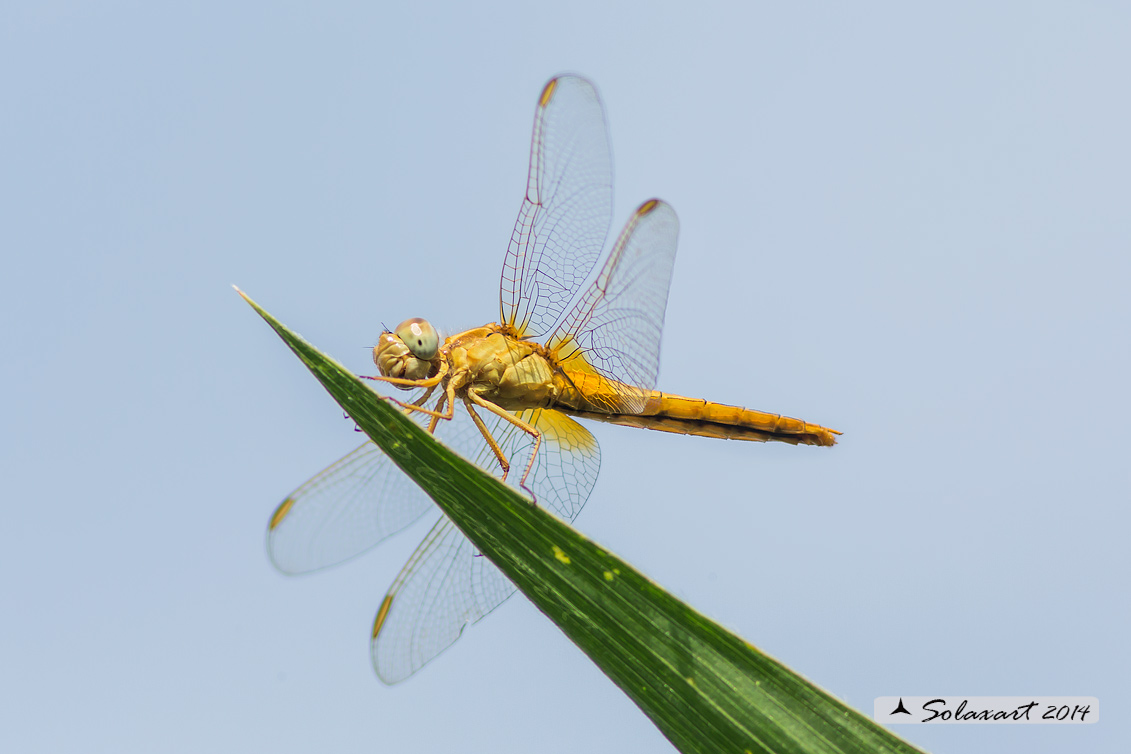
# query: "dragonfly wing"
363,498
565,216
614,330
566,466
442,588
344,510
447,584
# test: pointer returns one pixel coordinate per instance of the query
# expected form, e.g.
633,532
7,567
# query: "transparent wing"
363,498
446,584
565,216
344,510
614,330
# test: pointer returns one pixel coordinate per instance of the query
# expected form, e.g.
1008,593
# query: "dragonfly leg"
436,419
439,408
424,398
449,397
502,459
429,382
528,429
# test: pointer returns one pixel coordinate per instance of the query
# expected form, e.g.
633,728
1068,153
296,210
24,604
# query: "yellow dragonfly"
503,395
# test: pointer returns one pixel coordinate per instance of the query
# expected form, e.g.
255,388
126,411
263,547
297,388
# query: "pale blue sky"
908,224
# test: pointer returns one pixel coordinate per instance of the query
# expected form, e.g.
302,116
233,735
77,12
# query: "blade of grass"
705,688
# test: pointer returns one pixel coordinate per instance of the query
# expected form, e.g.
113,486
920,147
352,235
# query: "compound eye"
420,337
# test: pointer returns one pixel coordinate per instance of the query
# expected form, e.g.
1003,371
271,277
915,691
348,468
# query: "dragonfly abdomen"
693,416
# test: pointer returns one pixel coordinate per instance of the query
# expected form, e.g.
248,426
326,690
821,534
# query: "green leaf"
705,688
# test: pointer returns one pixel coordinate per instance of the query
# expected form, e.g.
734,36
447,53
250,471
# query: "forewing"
344,510
447,584
565,216
614,330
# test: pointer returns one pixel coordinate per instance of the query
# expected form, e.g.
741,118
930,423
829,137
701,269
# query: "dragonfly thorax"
511,373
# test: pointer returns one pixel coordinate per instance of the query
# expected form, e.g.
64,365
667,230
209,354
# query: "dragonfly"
572,341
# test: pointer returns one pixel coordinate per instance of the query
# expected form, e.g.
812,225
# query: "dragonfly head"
409,352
